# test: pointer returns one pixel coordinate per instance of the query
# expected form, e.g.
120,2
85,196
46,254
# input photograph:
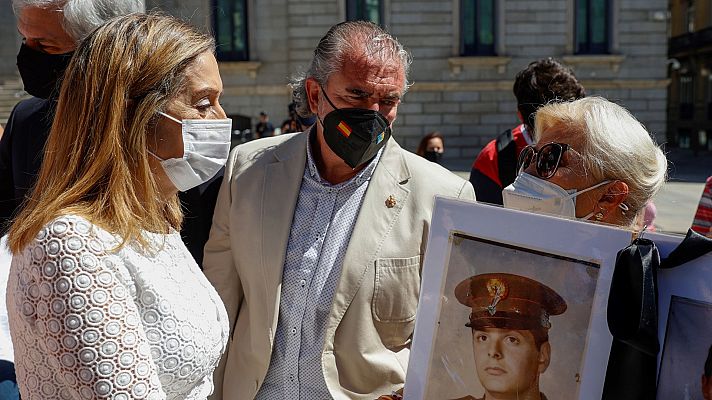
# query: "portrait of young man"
510,322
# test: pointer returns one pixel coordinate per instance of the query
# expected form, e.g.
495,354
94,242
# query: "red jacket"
703,217
485,174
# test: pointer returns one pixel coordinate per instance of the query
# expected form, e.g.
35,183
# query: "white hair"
343,41
613,144
81,17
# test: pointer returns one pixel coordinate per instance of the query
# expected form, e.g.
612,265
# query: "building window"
230,27
708,95
593,26
687,97
477,27
690,16
683,138
365,10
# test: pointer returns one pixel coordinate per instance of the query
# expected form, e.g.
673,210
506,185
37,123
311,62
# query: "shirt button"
294,331
291,377
303,283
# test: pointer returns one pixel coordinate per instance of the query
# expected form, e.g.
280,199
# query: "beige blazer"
372,317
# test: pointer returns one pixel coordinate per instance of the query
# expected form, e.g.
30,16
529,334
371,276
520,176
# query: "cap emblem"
498,291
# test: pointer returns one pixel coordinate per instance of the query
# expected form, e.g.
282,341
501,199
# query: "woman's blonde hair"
613,144
95,161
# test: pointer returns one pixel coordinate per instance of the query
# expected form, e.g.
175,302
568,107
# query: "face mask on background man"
41,72
355,134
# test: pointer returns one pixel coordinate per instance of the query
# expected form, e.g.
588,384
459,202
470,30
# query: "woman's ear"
616,193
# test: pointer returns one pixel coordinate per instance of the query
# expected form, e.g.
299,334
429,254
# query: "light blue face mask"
206,146
529,193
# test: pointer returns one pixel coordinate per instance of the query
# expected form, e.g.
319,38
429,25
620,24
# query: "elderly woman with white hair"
592,161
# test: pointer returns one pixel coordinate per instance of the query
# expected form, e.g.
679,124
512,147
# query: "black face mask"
41,72
355,134
433,156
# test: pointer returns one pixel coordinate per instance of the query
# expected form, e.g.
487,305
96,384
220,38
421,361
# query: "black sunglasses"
547,158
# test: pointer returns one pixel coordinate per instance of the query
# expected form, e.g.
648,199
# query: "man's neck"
330,166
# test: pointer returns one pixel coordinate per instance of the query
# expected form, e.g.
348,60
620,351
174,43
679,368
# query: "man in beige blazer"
318,237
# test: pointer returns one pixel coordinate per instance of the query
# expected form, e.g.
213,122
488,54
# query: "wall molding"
461,86
506,84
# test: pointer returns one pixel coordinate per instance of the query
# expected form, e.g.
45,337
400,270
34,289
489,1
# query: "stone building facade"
690,94
468,97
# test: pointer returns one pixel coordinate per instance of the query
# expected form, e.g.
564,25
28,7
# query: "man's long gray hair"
81,17
344,41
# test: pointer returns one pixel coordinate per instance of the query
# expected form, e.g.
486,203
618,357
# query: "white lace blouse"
91,322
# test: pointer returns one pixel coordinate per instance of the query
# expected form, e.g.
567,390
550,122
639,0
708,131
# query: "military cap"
509,301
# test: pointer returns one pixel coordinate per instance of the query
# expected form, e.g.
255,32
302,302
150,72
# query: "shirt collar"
363,175
527,137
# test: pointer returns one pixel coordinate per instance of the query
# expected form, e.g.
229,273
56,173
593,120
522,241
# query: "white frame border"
525,230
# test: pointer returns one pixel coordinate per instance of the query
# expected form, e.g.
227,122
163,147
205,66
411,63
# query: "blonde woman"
592,160
104,299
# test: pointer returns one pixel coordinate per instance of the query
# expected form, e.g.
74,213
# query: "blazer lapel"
373,224
282,181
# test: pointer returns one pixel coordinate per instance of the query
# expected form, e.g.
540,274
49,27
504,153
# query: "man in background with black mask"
50,32
321,279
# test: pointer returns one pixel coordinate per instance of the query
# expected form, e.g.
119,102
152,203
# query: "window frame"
592,48
231,55
689,16
686,88
350,7
479,50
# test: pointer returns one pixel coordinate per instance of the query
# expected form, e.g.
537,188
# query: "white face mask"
206,146
529,193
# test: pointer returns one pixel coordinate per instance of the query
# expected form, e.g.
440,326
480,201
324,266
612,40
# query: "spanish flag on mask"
344,129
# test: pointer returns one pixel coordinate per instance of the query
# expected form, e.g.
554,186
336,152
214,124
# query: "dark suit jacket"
21,149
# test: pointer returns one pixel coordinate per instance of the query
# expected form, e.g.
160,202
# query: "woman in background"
104,299
431,147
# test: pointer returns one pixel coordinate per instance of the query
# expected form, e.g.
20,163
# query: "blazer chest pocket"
395,299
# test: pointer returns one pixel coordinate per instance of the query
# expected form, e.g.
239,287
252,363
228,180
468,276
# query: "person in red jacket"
541,82
702,223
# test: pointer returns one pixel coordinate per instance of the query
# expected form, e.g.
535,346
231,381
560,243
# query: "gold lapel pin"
391,201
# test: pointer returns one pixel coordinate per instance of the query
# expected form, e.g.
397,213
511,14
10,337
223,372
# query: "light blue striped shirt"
321,229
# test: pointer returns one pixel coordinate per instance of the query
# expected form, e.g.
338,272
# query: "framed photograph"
684,325
686,350
512,304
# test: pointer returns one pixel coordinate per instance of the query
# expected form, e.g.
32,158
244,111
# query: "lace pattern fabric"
91,322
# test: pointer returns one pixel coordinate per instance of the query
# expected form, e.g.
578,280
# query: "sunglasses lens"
548,160
525,158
